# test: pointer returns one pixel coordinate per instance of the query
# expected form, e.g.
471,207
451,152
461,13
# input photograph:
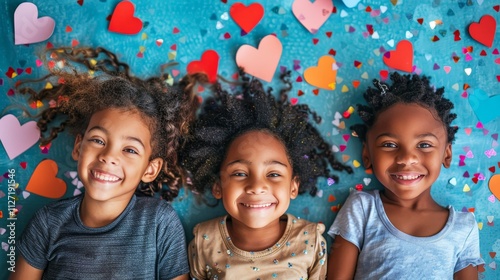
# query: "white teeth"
406,177
257,205
105,177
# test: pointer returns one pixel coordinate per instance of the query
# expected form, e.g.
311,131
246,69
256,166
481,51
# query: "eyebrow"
130,138
423,135
246,162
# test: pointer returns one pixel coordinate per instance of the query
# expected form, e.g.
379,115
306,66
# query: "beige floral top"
299,254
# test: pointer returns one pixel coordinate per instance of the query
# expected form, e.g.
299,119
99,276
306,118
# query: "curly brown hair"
226,116
87,80
404,89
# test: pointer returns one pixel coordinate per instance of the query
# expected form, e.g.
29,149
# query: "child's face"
256,182
113,155
406,148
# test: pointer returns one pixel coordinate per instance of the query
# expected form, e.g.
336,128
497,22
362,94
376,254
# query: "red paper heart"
246,17
208,64
123,20
484,31
44,182
401,58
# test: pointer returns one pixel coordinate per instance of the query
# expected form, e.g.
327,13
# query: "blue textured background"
202,25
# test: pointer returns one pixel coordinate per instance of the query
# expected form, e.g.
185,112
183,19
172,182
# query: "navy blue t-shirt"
145,242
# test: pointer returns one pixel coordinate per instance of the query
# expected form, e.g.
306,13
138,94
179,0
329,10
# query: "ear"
294,187
217,190
152,170
447,156
76,147
365,154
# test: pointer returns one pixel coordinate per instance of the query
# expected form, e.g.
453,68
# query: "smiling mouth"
265,205
407,177
105,177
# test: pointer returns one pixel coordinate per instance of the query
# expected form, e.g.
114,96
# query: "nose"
256,186
108,155
406,156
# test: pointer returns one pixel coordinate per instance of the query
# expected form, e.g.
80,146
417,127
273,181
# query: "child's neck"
96,214
255,239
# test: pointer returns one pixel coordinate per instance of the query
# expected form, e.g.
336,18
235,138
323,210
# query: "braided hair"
226,116
404,89
75,95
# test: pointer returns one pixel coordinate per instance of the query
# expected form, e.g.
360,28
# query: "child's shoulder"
210,225
301,226
65,205
463,219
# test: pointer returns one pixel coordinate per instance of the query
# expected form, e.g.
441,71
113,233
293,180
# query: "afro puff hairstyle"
405,89
226,116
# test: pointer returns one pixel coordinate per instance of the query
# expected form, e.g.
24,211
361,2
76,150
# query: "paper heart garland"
28,28
494,185
484,31
260,62
484,106
401,58
44,182
323,75
17,138
312,15
208,64
247,17
123,20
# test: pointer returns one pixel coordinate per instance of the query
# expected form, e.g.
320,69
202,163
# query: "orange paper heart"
401,58
44,182
484,31
323,75
494,185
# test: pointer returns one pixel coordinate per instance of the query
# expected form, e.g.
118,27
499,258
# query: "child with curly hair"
400,232
127,132
256,153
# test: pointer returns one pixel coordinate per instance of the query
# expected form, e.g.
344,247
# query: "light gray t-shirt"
145,242
388,253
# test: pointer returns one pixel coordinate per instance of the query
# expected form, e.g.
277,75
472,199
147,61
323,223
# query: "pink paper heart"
17,138
260,62
312,15
28,28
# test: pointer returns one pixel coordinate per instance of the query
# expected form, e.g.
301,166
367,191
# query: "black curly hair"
405,89
87,80
226,116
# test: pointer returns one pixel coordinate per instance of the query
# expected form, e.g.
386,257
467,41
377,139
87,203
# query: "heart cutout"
494,185
312,15
123,20
28,28
401,58
17,138
323,75
484,106
484,31
260,62
247,17
44,182
208,64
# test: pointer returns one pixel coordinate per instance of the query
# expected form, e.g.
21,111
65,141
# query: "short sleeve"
350,220
196,268
171,242
470,255
319,266
34,242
